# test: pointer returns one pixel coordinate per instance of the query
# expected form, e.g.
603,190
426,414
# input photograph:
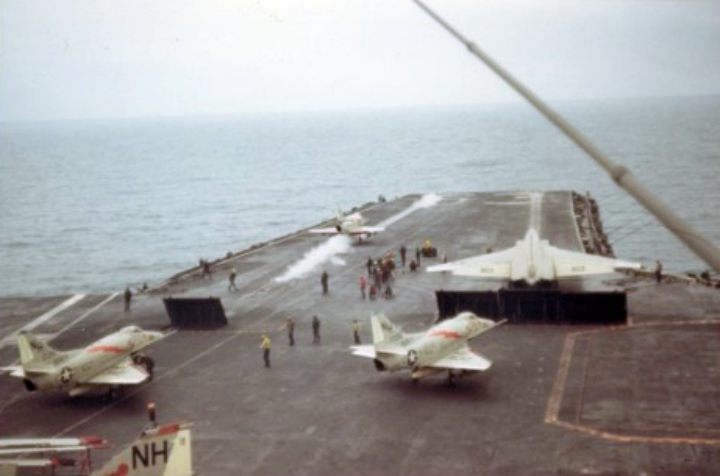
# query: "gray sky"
100,58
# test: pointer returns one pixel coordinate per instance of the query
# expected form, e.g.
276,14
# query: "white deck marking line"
535,210
85,315
81,318
43,318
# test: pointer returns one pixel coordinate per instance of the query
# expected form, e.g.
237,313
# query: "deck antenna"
699,245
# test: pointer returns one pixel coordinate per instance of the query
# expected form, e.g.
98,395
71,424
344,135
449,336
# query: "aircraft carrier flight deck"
640,397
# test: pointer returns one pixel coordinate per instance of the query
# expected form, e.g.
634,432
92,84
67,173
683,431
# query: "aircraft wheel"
112,394
149,365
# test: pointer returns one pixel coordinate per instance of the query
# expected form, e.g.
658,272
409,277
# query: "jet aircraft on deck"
443,347
103,366
160,451
351,225
532,260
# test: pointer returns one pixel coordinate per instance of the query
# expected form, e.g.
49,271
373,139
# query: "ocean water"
93,206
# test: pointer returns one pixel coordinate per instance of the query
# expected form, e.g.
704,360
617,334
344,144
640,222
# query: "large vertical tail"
33,351
339,218
162,451
384,331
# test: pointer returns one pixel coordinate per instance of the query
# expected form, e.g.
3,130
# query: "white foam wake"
316,257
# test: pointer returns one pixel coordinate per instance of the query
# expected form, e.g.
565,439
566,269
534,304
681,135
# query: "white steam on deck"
316,257
328,251
426,201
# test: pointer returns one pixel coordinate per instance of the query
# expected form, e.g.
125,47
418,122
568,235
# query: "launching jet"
351,225
532,260
159,451
443,347
102,366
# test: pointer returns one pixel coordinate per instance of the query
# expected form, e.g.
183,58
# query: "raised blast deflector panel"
195,313
547,306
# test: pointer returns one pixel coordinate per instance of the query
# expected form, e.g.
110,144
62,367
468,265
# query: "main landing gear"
146,362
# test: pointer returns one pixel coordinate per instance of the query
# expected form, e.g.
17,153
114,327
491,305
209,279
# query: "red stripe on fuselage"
107,349
446,334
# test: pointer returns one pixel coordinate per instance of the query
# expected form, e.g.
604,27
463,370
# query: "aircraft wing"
22,445
124,373
44,450
462,359
366,230
373,351
324,231
571,263
364,351
496,265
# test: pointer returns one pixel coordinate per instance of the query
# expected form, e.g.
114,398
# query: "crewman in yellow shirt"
266,345
356,331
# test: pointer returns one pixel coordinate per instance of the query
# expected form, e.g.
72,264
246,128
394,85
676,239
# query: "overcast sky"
112,58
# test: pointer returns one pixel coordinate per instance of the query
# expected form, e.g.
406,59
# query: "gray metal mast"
703,248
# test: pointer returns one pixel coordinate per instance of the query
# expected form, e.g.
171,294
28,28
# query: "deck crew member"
206,271
127,297
290,326
316,329
363,285
231,278
356,331
266,345
324,282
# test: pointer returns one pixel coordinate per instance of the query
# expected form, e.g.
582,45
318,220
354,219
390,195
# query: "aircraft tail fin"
34,351
383,330
165,450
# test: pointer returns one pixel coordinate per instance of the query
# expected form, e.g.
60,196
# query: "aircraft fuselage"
72,368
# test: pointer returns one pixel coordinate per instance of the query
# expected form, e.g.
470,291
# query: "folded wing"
463,359
364,351
124,373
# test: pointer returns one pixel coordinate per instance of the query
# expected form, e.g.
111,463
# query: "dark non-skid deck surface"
558,400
